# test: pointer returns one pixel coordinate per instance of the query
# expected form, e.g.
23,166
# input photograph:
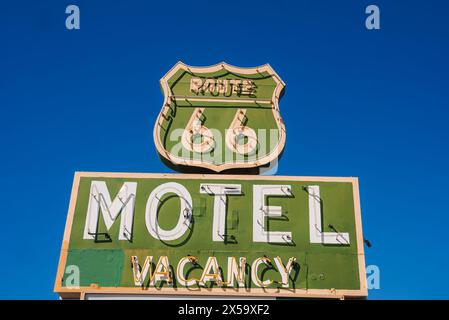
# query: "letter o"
151,211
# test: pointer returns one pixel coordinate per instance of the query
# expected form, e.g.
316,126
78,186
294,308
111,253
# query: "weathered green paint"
101,266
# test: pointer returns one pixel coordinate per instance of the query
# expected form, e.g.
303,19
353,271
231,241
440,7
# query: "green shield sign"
220,118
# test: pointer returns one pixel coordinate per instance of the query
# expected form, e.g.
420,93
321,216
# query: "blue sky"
372,104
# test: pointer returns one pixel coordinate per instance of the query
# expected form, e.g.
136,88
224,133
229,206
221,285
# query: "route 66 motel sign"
212,234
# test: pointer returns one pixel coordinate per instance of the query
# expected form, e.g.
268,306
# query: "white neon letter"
139,274
316,233
236,271
151,211
284,270
254,275
261,211
180,272
100,198
220,191
214,276
162,271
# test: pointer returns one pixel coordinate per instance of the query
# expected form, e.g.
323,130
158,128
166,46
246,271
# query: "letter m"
100,200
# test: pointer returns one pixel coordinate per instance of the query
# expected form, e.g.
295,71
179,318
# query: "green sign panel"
220,117
212,235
